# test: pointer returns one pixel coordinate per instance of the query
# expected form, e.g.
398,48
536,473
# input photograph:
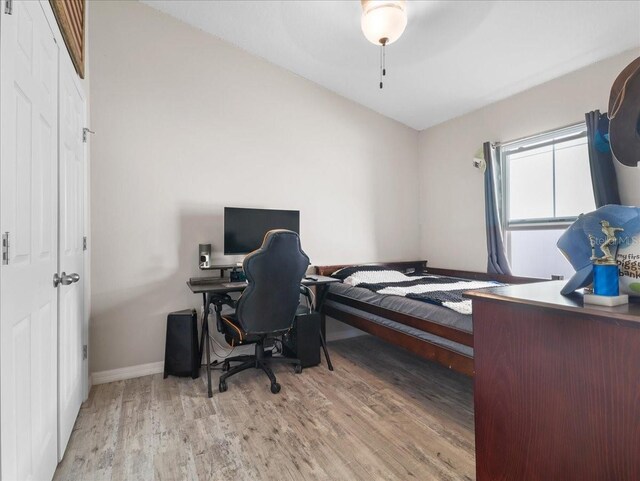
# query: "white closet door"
71,305
28,203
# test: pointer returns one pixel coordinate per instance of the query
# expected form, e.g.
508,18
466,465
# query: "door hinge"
8,7
84,243
5,248
85,352
86,131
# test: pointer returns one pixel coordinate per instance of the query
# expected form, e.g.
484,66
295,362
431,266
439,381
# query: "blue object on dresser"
575,243
605,280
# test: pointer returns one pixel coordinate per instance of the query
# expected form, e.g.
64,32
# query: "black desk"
221,287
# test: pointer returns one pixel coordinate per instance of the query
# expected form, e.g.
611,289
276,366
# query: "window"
546,185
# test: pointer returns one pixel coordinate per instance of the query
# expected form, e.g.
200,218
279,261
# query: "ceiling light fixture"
383,22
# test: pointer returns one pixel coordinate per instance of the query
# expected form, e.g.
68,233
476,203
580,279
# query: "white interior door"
28,212
71,255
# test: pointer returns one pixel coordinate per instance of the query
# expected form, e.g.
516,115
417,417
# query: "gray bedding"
415,308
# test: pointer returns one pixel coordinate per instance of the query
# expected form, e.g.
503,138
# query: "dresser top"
547,295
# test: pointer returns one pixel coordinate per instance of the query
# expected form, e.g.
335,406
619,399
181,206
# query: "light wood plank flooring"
382,414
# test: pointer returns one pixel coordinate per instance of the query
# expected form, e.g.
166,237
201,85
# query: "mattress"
411,331
412,307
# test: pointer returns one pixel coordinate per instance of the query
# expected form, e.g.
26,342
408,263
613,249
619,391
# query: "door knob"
65,279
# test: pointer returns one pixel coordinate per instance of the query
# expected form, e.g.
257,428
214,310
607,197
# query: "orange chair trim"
234,326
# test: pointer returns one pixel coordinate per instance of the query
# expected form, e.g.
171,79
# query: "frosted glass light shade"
383,19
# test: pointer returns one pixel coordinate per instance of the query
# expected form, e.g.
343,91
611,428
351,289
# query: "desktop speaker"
181,356
303,340
205,256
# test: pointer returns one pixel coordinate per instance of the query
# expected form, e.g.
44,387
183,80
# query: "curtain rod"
522,139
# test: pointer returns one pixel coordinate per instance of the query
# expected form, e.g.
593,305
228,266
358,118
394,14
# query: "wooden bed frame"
426,349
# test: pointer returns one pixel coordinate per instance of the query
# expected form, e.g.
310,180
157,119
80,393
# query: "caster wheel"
225,366
275,388
298,369
222,387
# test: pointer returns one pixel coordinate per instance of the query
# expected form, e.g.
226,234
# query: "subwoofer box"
303,340
181,354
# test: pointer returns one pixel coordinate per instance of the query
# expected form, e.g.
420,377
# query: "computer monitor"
244,229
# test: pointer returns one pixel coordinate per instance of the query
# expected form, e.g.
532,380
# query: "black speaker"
303,340
181,357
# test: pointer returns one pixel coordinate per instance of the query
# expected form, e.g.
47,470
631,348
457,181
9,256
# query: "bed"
431,331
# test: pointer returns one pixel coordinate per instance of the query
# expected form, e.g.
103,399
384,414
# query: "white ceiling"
454,57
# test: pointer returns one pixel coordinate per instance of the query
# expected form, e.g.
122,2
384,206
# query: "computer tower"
303,340
181,356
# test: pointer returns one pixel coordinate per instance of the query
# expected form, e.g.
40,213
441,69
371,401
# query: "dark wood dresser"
557,386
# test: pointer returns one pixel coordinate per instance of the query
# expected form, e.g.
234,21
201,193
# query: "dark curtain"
497,258
603,172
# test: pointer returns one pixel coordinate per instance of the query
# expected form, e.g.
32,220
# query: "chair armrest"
218,301
223,300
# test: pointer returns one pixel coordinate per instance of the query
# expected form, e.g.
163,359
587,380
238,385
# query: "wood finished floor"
382,414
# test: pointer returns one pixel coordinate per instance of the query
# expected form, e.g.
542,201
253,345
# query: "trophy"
606,287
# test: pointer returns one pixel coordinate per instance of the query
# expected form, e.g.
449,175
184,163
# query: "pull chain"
384,60
383,70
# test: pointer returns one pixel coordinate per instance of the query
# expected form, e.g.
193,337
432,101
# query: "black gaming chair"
267,306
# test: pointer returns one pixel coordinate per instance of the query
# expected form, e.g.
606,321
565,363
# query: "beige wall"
452,191
187,124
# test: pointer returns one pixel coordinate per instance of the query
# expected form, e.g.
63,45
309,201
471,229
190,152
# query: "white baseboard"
102,377
336,332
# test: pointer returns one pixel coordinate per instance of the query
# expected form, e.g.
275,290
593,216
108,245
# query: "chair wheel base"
225,366
222,387
298,369
275,388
